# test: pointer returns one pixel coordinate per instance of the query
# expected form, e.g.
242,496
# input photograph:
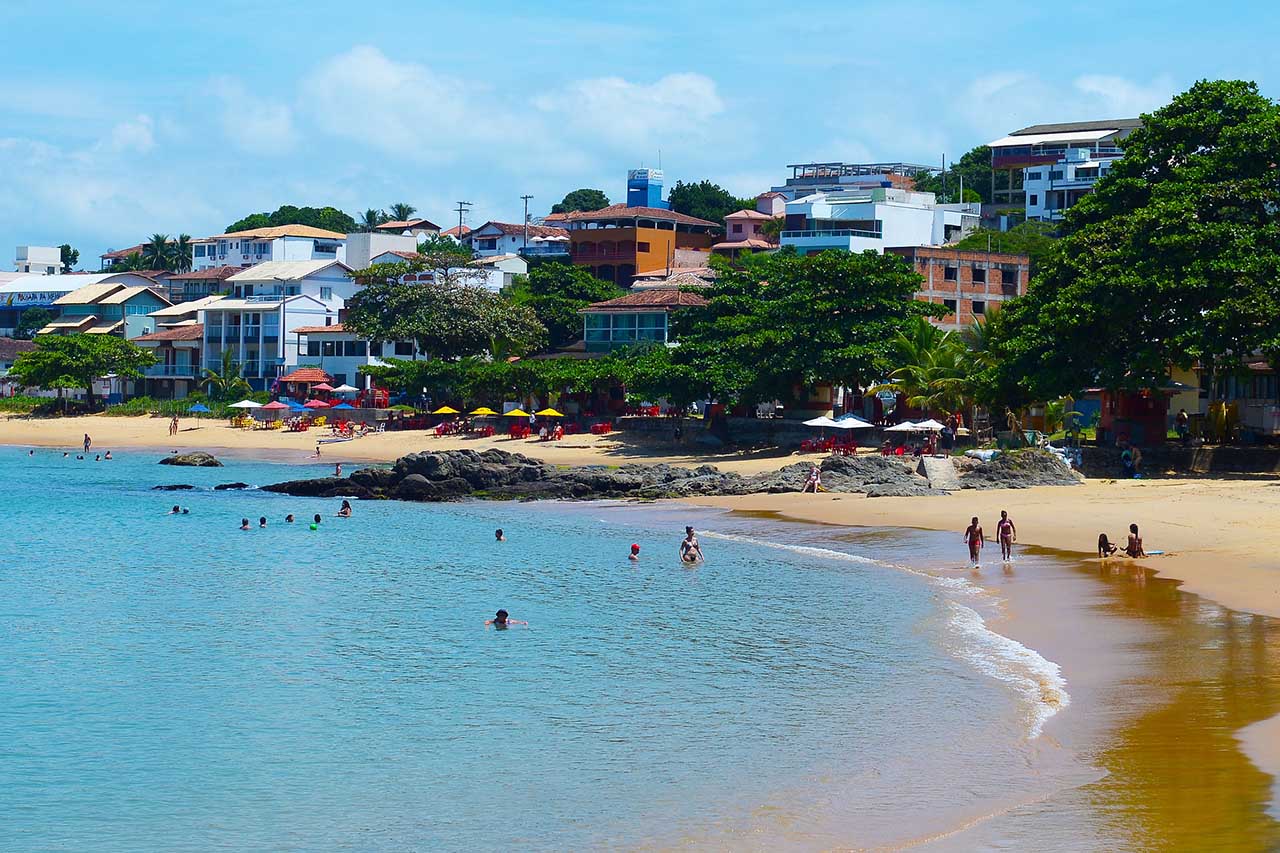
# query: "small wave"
1039,680
826,553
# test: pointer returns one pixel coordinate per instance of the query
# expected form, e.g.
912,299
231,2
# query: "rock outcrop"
192,460
173,487
1019,469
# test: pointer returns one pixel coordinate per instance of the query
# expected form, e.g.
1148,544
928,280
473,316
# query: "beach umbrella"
549,413
322,386
483,410
446,410
316,404
344,406
516,413
245,404
346,389
852,422
295,406
199,409
822,421
905,426
274,406
930,425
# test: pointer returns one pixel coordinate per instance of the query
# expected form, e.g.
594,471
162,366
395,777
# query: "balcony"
844,232
265,298
172,371
543,250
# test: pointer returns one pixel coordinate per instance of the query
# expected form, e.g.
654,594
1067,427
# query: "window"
313,349
950,274
326,293
353,349
1085,174
979,307
1033,200
979,275
642,247
1055,174
737,228
1034,176
199,251
950,305
490,243
1008,275
404,347
327,348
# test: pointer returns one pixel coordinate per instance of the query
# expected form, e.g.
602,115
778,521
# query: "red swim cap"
635,547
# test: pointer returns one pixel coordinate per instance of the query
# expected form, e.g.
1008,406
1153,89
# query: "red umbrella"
316,404
274,406
322,386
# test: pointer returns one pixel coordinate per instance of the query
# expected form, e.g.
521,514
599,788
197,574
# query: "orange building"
619,242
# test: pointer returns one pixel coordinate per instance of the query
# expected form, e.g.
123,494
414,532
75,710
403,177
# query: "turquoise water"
172,683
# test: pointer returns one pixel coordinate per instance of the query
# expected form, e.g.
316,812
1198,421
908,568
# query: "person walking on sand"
1007,534
173,425
1134,546
975,540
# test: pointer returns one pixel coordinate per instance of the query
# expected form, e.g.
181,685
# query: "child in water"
502,620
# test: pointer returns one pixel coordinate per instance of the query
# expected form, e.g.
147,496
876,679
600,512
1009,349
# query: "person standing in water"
345,510
499,536
975,540
635,553
1007,534
88,442
690,550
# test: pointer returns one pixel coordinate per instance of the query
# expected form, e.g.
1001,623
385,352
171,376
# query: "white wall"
362,247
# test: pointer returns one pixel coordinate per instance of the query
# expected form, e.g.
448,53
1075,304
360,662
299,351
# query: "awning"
1045,138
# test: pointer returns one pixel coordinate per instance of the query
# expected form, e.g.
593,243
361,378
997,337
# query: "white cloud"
636,116
996,103
136,135
251,121
1125,98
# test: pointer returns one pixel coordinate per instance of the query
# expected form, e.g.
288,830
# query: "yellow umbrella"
549,413
484,410
517,413
446,410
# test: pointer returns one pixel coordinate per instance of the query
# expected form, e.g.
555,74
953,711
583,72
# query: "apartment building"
809,178
111,307
874,218
619,242
278,243
968,284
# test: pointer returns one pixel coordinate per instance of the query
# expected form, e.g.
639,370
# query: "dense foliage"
975,169
706,200
581,199
328,218
74,361
32,320
70,257
1036,240
162,253
556,293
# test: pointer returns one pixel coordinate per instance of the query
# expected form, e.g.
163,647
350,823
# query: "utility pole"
462,208
525,199
944,175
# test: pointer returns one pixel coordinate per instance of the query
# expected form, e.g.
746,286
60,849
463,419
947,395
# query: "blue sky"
121,119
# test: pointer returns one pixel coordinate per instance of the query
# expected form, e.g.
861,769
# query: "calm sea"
171,683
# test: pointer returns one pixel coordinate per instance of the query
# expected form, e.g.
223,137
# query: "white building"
857,220
809,178
277,243
39,260
1059,164
492,273
508,238
364,247
326,281
416,228
341,353
260,332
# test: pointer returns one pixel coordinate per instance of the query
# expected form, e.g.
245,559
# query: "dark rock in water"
374,478
175,487
192,460
308,488
223,487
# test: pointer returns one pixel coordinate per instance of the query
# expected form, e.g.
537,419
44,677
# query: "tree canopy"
556,292
31,321
581,199
70,257
1173,259
371,219
328,218
74,361
1036,240
975,167
435,244
401,211
706,200
777,323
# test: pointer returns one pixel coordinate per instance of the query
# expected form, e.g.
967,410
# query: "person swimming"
1007,534
108,456
975,539
345,510
499,536
501,620
98,458
1105,546
316,519
262,522
176,510
1134,546
635,553
690,550
288,519
33,453
244,524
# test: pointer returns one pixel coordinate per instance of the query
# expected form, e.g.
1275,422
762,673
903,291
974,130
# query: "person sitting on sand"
502,620
635,553
499,536
1134,546
975,540
1007,534
345,510
690,550
244,524
814,483
262,522
1105,546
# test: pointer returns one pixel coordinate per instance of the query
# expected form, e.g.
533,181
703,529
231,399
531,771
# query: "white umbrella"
931,425
852,422
823,421
905,426
245,404
345,389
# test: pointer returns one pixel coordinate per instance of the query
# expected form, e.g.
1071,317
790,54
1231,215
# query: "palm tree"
181,258
225,382
400,211
371,219
158,253
933,369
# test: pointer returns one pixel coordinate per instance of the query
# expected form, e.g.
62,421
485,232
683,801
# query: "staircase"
940,472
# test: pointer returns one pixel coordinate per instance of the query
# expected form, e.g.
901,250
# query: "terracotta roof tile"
307,374
207,274
457,230
193,332
409,223
622,211
515,229
641,300
275,231
336,328
10,347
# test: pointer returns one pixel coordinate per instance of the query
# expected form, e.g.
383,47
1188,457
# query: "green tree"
932,368
777,323
556,293
328,218
31,321
1036,240
1173,259
158,252
181,256
583,199
436,245
401,211
74,361
70,257
132,262
975,168
226,380
371,219
706,200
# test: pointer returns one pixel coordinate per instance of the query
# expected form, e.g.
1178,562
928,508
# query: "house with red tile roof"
639,317
618,242
509,238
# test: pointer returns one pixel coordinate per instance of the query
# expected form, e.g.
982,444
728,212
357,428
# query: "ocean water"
172,683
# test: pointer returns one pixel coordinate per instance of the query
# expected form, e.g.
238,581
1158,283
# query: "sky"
122,119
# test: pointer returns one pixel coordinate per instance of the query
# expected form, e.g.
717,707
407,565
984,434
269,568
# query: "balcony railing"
845,232
546,249
179,370
265,297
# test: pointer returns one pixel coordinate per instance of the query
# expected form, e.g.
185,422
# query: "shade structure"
822,421
322,386
199,408
246,404
344,388
344,406
446,410
316,404
852,422
483,410
275,406
930,425
295,406
549,413
516,413
905,426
